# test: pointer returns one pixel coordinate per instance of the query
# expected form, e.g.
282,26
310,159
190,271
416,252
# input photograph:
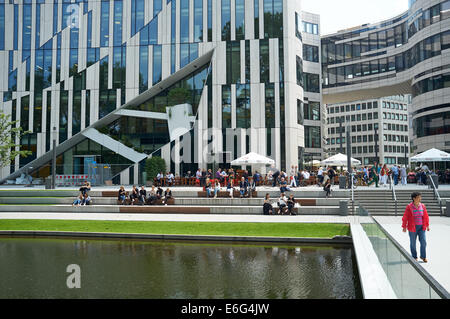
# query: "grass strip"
313,230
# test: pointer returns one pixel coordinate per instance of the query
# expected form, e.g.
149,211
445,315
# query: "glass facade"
88,69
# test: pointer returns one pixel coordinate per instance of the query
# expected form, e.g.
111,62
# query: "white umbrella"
432,155
251,159
339,160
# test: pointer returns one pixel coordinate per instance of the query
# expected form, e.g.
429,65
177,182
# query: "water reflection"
35,268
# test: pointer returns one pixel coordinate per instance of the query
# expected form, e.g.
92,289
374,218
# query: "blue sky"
336,15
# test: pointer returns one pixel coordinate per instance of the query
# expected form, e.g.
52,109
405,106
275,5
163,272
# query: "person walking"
331,175
383,175
373,175
320,176
416,221
403,175
327,188
395,172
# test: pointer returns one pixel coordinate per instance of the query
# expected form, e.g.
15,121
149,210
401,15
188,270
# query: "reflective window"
143,69
311,111
299,64
226,106
242,105
226,20
240,19
312,137
184,21
104,24
198,20
137,15
310,53
157,7
311,82
118,7
233,62
264,60
157,63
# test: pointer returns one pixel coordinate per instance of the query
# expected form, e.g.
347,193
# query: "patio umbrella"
339,160
432,155
252,159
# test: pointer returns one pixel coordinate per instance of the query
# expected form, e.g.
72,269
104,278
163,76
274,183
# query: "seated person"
159,192
243,187
159,178
170,179
86,200
122,195
282,203
152,195
86,187
167,196
208,187
283,186
216,188
78,200
291,205
142,195
230,188
267,207
134,196
327,188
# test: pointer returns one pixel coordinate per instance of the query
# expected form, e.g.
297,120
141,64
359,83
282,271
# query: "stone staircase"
381,202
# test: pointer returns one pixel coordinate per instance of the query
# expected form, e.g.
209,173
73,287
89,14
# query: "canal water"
37,268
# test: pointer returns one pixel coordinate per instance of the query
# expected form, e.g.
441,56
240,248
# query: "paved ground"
438,239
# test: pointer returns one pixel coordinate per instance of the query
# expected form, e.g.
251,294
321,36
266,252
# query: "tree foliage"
9,150
179,96
153,166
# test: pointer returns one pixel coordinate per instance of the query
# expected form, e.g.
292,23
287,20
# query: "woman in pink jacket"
416,220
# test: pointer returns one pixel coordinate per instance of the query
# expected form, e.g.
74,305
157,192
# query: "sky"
336,15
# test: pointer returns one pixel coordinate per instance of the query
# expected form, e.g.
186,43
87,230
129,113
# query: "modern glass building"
408,54
197,82
201,82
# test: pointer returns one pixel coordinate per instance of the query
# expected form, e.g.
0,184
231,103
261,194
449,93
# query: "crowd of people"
139,196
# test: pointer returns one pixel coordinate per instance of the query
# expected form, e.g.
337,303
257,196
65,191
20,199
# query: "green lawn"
316,230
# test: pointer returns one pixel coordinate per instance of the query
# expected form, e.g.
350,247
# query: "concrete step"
170,209
177,201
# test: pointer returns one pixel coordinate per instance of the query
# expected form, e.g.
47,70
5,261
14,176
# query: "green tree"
153,166
179,96
8,134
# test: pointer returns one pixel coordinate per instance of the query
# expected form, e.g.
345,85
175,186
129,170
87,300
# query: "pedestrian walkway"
438,239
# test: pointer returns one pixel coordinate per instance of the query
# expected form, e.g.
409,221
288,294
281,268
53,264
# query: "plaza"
103,88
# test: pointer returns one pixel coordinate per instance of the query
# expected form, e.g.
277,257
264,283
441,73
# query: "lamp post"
406,157
341,150
54,159
376,142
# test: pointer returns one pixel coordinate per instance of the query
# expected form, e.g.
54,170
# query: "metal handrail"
438,288
353,195
394,195
436,195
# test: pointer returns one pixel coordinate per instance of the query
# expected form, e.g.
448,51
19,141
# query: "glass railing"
407,278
